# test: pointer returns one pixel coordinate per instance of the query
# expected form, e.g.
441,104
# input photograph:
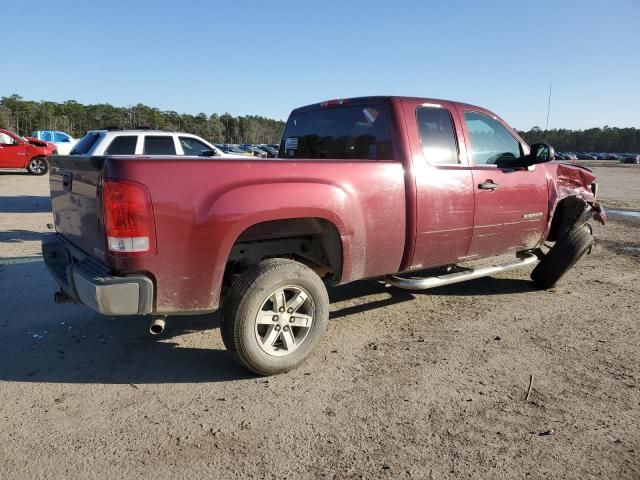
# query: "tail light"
128,217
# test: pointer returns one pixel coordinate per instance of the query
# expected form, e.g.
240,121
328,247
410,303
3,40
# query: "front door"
12,153
511,200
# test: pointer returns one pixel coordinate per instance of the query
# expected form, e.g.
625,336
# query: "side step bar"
524,259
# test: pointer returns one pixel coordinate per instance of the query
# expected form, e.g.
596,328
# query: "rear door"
444,184
511,201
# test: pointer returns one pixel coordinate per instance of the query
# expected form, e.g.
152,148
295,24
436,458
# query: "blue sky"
267,57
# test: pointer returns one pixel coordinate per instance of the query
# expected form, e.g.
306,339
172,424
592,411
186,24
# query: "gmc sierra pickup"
375,187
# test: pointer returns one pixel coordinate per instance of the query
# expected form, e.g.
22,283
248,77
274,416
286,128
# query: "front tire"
562,256
38,166
275,315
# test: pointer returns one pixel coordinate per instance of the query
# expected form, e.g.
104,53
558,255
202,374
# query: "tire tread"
562,256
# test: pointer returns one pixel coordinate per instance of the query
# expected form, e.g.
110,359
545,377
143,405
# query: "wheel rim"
37,165
284,321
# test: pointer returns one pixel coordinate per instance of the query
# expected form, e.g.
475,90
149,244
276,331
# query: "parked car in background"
63,141
633,158
20,154
233,150
253,150
146,143
271,152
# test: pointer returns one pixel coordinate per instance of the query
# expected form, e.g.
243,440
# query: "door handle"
488,185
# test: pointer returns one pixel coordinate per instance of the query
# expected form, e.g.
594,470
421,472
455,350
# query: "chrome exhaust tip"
157,325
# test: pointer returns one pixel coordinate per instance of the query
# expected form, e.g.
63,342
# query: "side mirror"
541,153
209,153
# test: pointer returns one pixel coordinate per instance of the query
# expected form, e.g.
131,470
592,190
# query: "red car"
19,154
375,187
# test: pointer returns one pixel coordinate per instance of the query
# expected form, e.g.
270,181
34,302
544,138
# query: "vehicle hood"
48,146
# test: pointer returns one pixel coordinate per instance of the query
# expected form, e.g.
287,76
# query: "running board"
524,259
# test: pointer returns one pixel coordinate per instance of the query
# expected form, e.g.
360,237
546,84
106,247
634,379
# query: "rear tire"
38,166
562,256
274,316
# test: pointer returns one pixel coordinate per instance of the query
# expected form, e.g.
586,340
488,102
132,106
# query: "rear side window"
358,132
46,136
125,145
491,143
86,143
437,136
159,145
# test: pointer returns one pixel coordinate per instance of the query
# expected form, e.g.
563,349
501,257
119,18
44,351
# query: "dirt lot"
404,385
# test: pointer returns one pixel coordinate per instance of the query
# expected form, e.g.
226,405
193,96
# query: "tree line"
24,116
605,139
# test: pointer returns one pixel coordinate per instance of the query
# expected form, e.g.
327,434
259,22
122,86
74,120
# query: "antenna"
546,126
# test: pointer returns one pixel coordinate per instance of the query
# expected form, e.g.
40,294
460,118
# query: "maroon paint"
391,215
201,207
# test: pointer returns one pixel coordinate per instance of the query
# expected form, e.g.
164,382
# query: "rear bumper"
89,282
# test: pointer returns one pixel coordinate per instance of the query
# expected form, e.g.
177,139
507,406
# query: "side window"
7,140
60,137
160,145
193,146
491,143
46,136
124,145
437,136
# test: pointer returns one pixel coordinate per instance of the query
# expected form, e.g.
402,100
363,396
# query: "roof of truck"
378,99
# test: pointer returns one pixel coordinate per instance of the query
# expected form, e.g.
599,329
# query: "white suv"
145,143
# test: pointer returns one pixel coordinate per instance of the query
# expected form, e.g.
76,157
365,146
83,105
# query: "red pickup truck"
374,187
19,154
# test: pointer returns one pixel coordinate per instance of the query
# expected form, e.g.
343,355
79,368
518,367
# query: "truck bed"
201,206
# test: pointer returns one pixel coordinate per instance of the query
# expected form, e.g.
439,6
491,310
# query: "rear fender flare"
232,214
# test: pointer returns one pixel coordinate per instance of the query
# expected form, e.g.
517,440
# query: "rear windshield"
358,132
125,145
86,143
159,145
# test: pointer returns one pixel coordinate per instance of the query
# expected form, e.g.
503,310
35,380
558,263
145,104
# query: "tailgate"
77,210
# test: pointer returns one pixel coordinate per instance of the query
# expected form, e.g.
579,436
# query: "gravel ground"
619,185
405,385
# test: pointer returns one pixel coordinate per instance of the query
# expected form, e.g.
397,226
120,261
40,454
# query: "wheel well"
565,216
312,241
